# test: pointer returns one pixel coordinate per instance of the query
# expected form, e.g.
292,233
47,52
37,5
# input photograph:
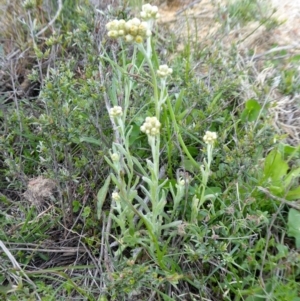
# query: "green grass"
192,222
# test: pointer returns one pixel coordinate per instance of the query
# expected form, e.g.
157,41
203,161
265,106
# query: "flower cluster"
116,28
115,157
149,12
210,137
134,30
164,71
151,126
115,111
115,196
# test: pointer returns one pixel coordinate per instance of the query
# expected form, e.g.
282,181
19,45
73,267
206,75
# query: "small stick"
276,49
281,200
60,6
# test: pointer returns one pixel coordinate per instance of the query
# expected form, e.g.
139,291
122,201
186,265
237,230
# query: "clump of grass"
128,176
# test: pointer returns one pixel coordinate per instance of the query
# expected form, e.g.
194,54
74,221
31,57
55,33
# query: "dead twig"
292,204
276,49
60,6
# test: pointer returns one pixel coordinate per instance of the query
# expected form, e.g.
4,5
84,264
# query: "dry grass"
199,21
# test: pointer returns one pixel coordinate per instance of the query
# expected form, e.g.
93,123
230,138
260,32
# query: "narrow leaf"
90,140
294,225
101,196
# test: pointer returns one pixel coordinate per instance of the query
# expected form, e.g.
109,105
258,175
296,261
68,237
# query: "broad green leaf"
291,176
101,196
275,167
282,250
188,165
293,194
276,190
135,134
251,111
90,140
289,150
294,225
213,190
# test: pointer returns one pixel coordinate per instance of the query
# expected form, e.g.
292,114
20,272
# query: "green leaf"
135,134
86,212
282,250
213,190
294,225
251,111
295,58
254,298
90,140
260,295
293,194
275,167
182,115
178,102
276,190
76,206
289,150
43,256
194,151
188,165
101,196
216,99
291,176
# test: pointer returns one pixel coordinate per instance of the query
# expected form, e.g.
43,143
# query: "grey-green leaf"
101,196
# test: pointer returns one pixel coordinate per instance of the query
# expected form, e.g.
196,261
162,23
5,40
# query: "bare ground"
200,21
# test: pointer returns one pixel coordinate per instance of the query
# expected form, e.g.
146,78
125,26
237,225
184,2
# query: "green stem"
205,173
154,189
152,235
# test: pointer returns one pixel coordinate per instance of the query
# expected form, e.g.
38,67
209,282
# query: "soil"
204,18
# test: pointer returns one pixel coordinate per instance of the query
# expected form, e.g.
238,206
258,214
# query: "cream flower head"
116,111
210,137
149,12
115,157
134,30
151,126
115,196
164,71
